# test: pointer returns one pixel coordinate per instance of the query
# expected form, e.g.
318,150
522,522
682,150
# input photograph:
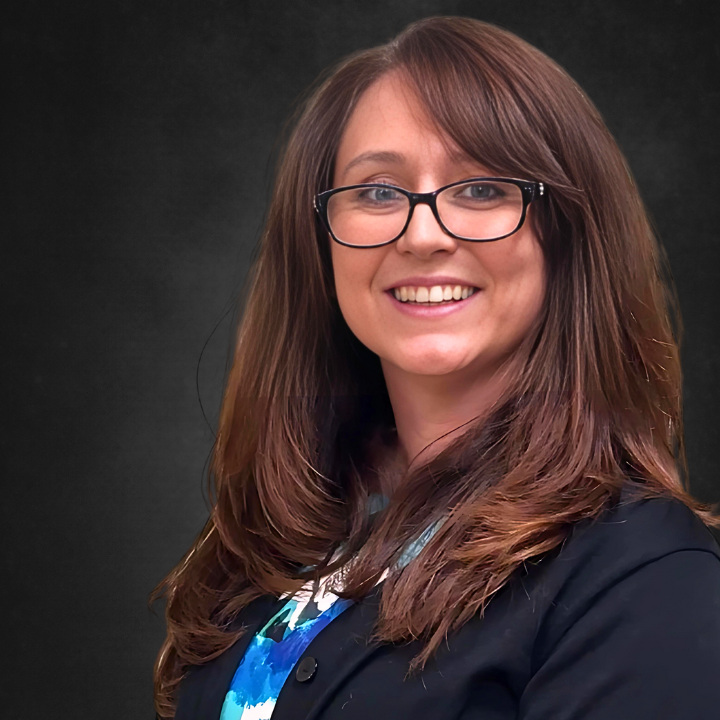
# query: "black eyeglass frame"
531,190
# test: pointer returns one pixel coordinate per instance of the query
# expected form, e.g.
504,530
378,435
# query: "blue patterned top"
279,644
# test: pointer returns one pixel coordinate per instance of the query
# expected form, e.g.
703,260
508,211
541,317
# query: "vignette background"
141,152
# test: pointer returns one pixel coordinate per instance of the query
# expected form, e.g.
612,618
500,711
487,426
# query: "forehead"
390,127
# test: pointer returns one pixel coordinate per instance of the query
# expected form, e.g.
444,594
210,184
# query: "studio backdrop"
142,143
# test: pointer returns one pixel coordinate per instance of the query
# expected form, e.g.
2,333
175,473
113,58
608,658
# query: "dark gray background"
139,159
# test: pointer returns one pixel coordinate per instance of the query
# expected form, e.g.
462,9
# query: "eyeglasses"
478,209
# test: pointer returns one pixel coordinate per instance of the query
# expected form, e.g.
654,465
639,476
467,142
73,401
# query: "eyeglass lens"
479,210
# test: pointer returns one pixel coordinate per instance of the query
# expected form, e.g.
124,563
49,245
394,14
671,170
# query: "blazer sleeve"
647,647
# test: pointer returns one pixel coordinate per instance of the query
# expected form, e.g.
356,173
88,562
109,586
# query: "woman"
451,436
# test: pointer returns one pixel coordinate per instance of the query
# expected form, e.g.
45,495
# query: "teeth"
432,295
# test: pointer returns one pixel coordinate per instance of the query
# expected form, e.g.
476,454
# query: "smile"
435,295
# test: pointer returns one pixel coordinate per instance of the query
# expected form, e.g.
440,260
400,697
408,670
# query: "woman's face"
389,139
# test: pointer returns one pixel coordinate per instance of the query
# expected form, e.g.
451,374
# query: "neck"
432,410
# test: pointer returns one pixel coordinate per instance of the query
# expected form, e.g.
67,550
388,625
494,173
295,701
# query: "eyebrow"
384,156
395,158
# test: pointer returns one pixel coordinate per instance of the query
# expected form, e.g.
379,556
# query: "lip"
430,281
431,311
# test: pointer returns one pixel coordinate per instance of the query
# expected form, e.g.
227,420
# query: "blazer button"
306,669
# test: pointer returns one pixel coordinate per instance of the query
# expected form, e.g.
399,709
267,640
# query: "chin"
431,364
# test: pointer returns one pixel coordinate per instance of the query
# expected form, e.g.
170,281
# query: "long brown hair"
597,403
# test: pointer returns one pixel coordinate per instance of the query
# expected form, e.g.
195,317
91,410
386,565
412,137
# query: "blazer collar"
203,690
338,650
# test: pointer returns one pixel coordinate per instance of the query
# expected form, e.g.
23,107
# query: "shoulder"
638,530
626,617
627,556
625,537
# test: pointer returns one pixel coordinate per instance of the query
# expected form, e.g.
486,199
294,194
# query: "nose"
423,235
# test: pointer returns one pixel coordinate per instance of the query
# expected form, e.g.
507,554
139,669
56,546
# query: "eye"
378,195
480,191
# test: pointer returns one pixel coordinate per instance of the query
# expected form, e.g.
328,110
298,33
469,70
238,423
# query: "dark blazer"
623,621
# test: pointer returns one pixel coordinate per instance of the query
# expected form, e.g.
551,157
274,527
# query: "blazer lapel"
338,653
203,691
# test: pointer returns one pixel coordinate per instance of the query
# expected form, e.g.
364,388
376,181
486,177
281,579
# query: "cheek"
519,282
341,276
351,283
358,288
531,288
355,271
